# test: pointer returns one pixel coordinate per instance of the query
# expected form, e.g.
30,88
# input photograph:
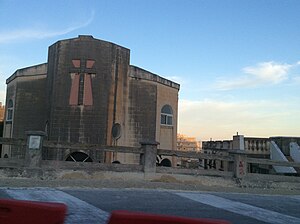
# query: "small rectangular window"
169,120
163,119
9,115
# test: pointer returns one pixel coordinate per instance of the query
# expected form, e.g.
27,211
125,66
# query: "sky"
237,62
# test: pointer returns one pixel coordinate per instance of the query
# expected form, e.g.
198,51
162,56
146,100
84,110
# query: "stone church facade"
88,92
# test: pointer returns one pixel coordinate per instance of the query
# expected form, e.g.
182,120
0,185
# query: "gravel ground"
205,183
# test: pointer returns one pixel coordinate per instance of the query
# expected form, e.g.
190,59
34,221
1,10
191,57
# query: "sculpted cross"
81,89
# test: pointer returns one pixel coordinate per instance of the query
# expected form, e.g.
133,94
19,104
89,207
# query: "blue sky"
238,62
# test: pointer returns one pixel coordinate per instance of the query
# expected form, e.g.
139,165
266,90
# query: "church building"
88,92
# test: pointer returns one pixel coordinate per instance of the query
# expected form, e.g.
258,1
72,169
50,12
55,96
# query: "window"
10,109
166,117
81,89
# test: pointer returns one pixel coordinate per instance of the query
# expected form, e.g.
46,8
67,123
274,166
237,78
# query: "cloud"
220,120
296,80
262,73
176,79
269,72
22,34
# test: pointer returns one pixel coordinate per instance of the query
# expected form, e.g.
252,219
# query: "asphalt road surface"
95,205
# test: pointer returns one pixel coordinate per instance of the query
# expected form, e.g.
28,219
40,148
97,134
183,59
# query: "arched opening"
79,157
116,162
166,162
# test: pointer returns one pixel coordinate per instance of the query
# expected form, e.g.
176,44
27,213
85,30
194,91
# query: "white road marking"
78,211
241,208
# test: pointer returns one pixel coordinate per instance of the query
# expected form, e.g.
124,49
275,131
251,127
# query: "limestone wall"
80,122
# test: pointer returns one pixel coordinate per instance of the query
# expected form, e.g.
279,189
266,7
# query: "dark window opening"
81,89
10,109
79,157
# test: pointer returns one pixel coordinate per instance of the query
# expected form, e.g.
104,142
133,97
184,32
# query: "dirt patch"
121,180
166,179
75,175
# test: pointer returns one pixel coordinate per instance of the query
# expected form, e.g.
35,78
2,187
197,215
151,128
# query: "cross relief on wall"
81,88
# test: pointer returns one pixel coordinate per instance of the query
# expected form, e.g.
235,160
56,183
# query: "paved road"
94,206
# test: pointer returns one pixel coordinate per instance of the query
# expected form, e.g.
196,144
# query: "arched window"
10,110
166,117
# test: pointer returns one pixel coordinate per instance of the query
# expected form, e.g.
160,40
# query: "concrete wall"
295,151
141,111
86,123
167,135
152,92
283,143
277,155
148,93
26,88
30,106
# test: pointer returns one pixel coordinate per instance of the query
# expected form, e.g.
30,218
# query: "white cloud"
29,33
269,72
176,79
262,73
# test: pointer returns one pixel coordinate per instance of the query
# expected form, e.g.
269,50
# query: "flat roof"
35,70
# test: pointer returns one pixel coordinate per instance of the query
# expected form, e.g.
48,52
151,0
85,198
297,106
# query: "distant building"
186,143
252,146
88,92
2,110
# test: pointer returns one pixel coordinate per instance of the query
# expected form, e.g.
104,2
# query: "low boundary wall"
148,152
